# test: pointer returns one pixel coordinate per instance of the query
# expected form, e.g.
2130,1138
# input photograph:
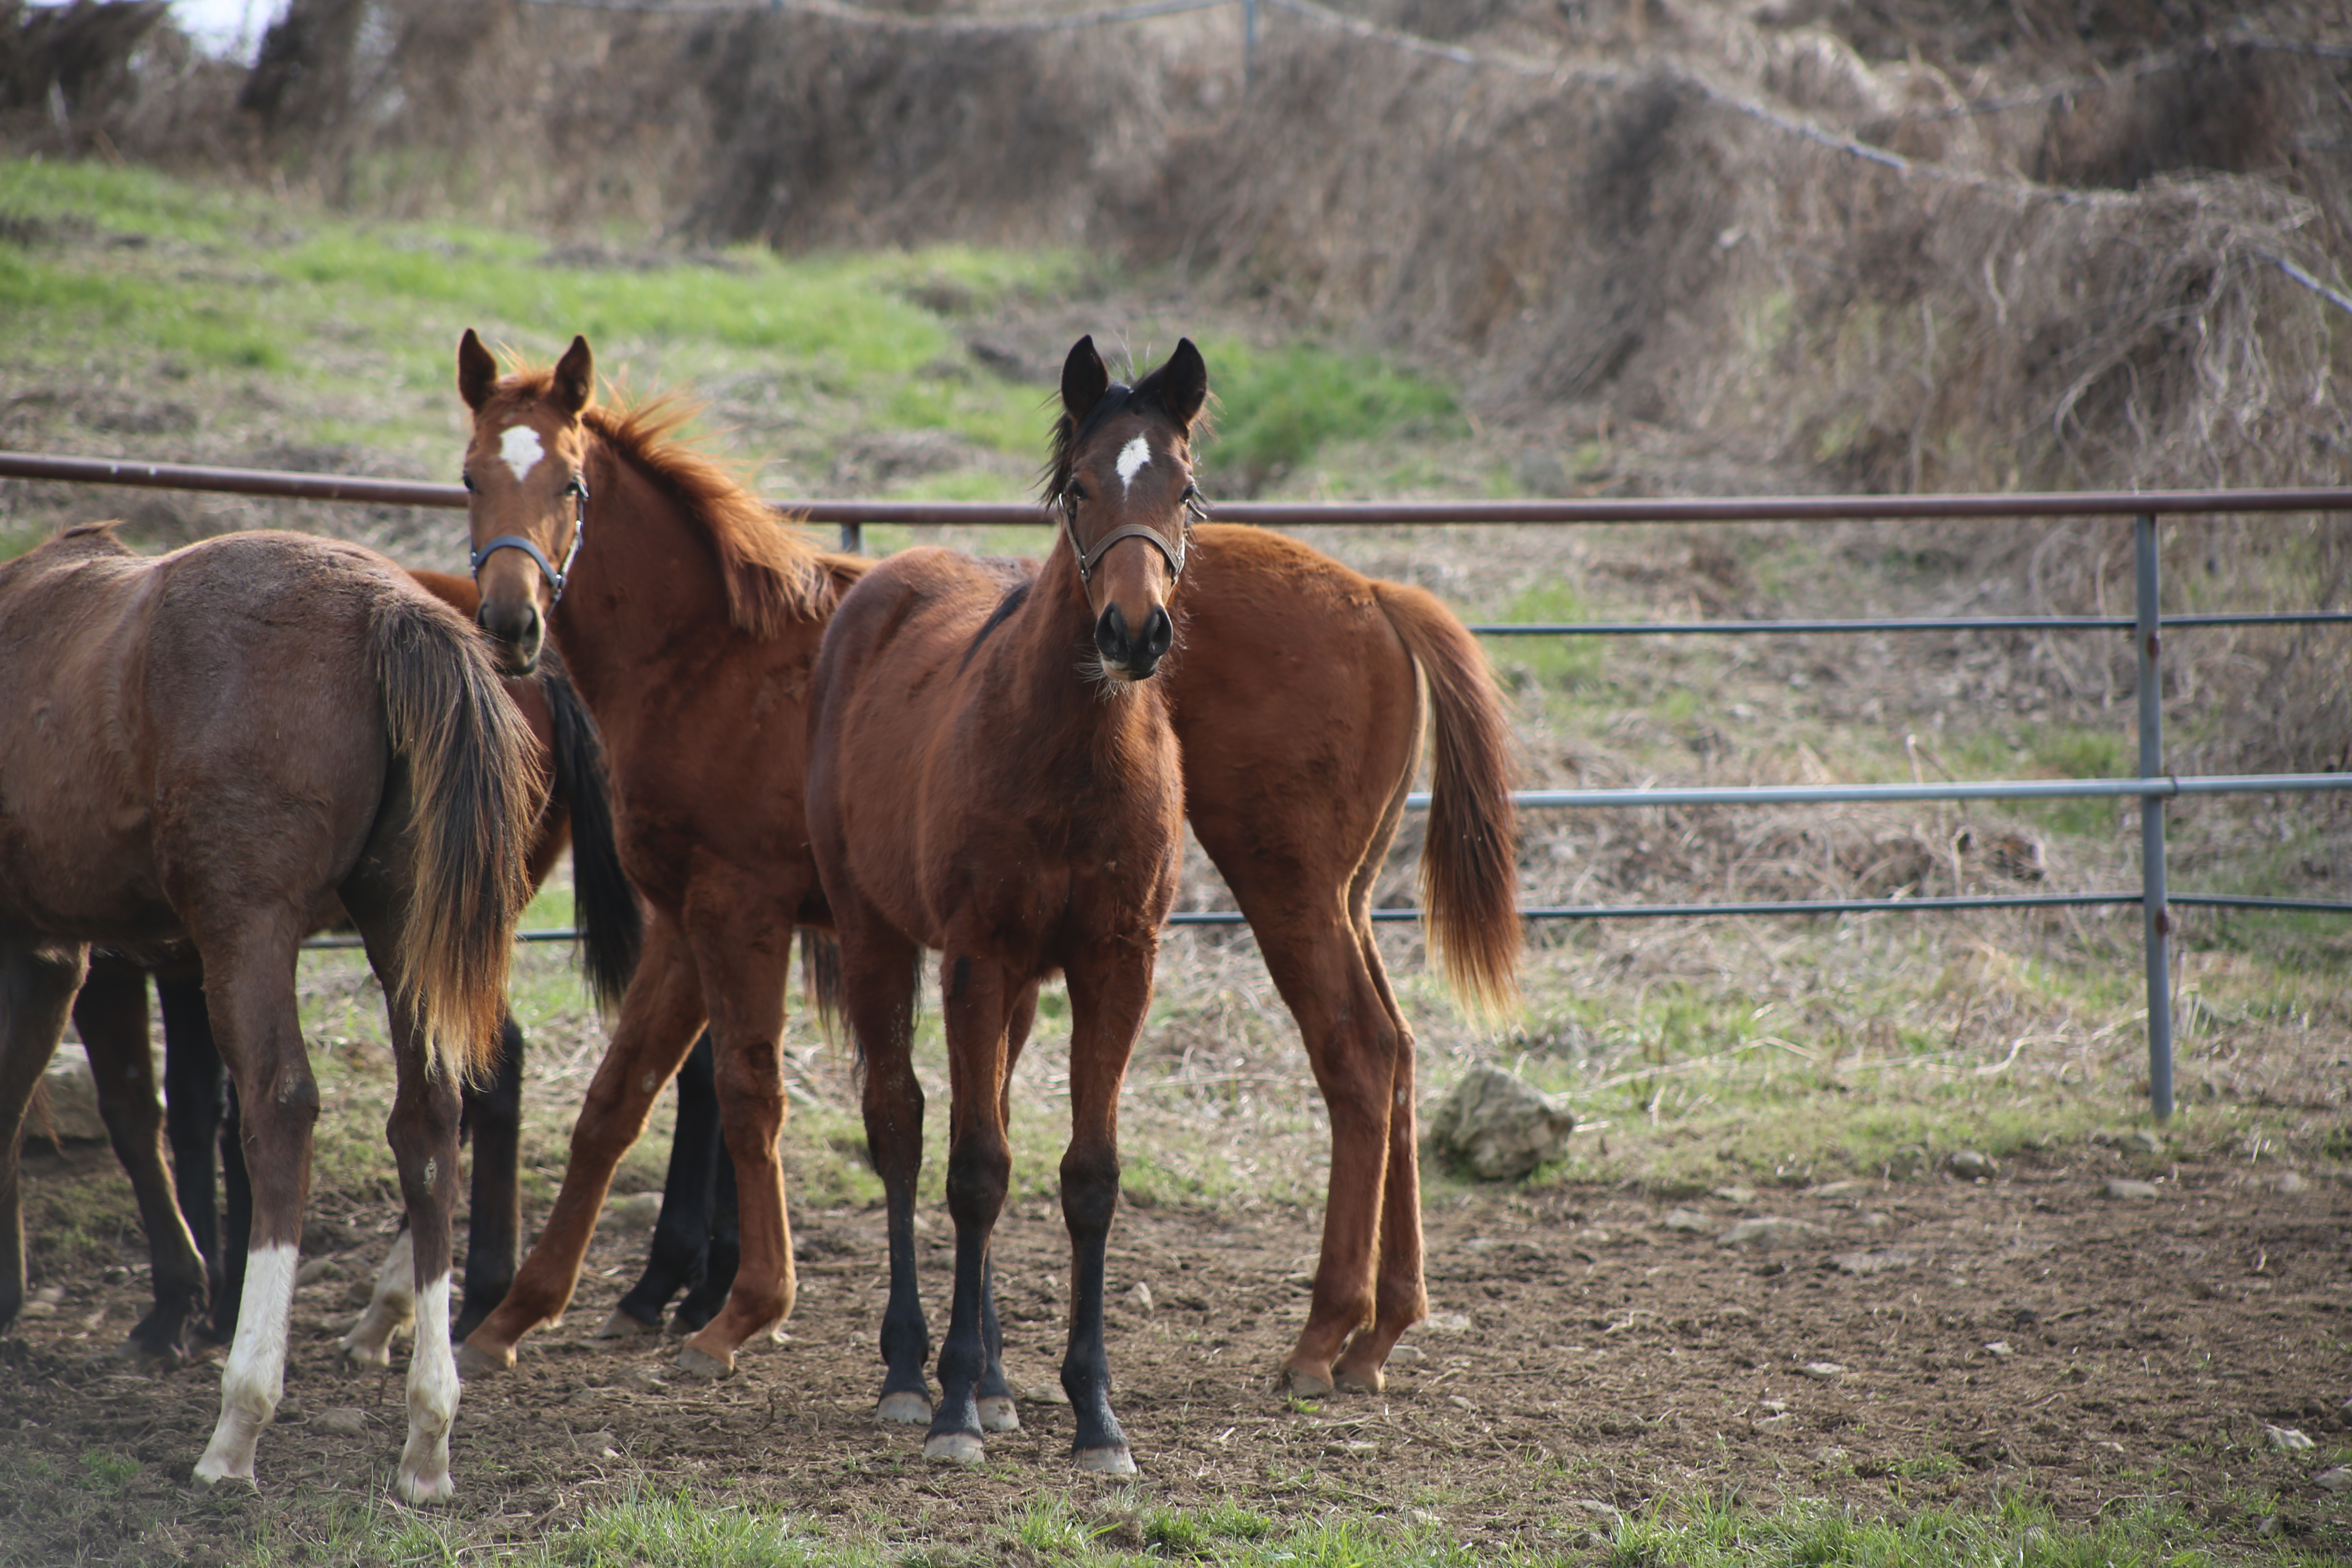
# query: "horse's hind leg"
36,991
1108,993
878,998
111,1014
248,973
723,1255
494,1228
678,1256
998,1413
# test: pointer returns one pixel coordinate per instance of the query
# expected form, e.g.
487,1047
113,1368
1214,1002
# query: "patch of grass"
1541,665
1280,406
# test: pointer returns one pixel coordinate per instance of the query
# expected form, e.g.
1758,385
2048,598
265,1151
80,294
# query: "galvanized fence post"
2156,919
853,539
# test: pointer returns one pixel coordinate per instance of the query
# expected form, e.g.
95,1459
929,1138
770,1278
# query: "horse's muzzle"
516,628
1135,656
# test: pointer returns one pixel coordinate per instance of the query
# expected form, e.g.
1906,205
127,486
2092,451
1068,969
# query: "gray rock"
2287,1184
67,1100
316,1269
1046,1391
1499,1125
2122,1187
1969,1166
1822,1370
1447,1324
2144,1141
1768,1231
2335,1480
1141,1297
1877,1261
2287,1440
341,1422
604,1445
1687,1219
635,1212
1407,1356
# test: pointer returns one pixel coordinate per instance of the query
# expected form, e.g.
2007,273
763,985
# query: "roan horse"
152,791
993,776
191,1260
1300,732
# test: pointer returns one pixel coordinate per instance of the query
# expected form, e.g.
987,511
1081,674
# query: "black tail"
611,925
820,979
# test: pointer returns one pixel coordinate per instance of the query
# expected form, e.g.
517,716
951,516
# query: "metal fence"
2153,788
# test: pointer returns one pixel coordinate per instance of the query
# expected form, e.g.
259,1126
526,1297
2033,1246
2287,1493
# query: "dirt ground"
1889,1345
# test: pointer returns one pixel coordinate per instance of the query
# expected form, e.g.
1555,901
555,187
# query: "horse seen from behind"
229,746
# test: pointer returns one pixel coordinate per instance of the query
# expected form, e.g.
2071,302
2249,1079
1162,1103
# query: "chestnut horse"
993,775
1300,734
152,790
691,621
190,1264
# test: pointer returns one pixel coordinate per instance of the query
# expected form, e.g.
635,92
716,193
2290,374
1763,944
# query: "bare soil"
1934,1340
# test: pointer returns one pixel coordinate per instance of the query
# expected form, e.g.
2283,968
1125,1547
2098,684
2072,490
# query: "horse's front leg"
36,992
998,1413
248,973
659,1018
110,1015
744,969
678,1257
976,996
1111,988
878,997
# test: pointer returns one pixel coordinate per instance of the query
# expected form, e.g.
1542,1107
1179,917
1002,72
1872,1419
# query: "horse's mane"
773,575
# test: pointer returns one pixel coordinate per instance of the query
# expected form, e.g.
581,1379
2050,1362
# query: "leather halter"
555,578
1173,553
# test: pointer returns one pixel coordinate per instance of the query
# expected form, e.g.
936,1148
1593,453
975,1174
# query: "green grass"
1279,407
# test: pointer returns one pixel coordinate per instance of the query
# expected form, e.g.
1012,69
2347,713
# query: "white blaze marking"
255,1377
1132,458
519,446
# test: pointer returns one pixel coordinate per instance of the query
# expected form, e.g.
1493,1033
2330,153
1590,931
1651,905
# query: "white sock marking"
1132,459
521,448
392,1309
255,1378
432,1398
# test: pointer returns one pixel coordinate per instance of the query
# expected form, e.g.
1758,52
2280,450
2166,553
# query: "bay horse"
994,776
1300,732
193,1265
220,746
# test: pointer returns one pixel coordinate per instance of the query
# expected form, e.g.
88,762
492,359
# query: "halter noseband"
1173,553
555,578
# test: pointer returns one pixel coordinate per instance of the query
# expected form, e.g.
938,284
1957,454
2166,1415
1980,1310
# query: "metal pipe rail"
2153,788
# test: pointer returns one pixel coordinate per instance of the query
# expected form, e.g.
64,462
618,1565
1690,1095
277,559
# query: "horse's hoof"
148,1359
1306,1381
913,1409
955,1448
376,1358
998,1415
693,1363
473,1361
1106,1461
423,1489
1352,1381
622,1326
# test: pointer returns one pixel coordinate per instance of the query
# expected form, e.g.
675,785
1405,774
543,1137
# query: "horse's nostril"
1159,634
1110,636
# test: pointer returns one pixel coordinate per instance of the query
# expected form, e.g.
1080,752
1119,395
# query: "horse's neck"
1060,712
645,585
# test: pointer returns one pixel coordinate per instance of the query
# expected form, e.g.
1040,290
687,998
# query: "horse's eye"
575,488
467,479
1077,491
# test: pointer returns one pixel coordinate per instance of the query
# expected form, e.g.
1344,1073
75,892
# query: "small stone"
1776,1407
1687,1219
2335,1480
2144,1141
1768,1231
1969,1166
1499,1125
1140,1296
1459,1403
1830,1455
1875,1219
635,1212
316,1269
2288,1183
604,1445
1825,1371
51,1295
2122,1187
642,1379
2000,1348
1738,1197
2287,1440
341,1422
2269,1526
1046,1391
71,1100
1407,1356
1877,1261
1447,1324
31,1310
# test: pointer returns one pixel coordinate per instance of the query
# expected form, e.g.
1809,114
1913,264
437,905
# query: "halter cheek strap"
555,578
1090,559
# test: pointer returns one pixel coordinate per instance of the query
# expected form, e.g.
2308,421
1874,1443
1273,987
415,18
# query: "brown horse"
219,746
690,625
1300,732
991,776
191,1261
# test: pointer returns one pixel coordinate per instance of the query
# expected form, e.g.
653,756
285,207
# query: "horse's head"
526,490
1122,483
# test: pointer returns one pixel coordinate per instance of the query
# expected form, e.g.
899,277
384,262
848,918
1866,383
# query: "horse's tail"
474,793
1469,857
612,924
821,980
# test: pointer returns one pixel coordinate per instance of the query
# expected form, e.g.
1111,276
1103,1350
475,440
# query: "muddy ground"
1896,1344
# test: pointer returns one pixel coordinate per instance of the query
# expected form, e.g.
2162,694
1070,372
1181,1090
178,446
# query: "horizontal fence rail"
2152,788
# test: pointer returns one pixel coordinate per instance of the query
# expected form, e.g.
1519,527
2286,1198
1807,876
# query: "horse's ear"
1084,378
477,372
574,382
1183,383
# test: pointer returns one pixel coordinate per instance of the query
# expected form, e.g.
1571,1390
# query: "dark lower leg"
494,1232
195,1100
678,1256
